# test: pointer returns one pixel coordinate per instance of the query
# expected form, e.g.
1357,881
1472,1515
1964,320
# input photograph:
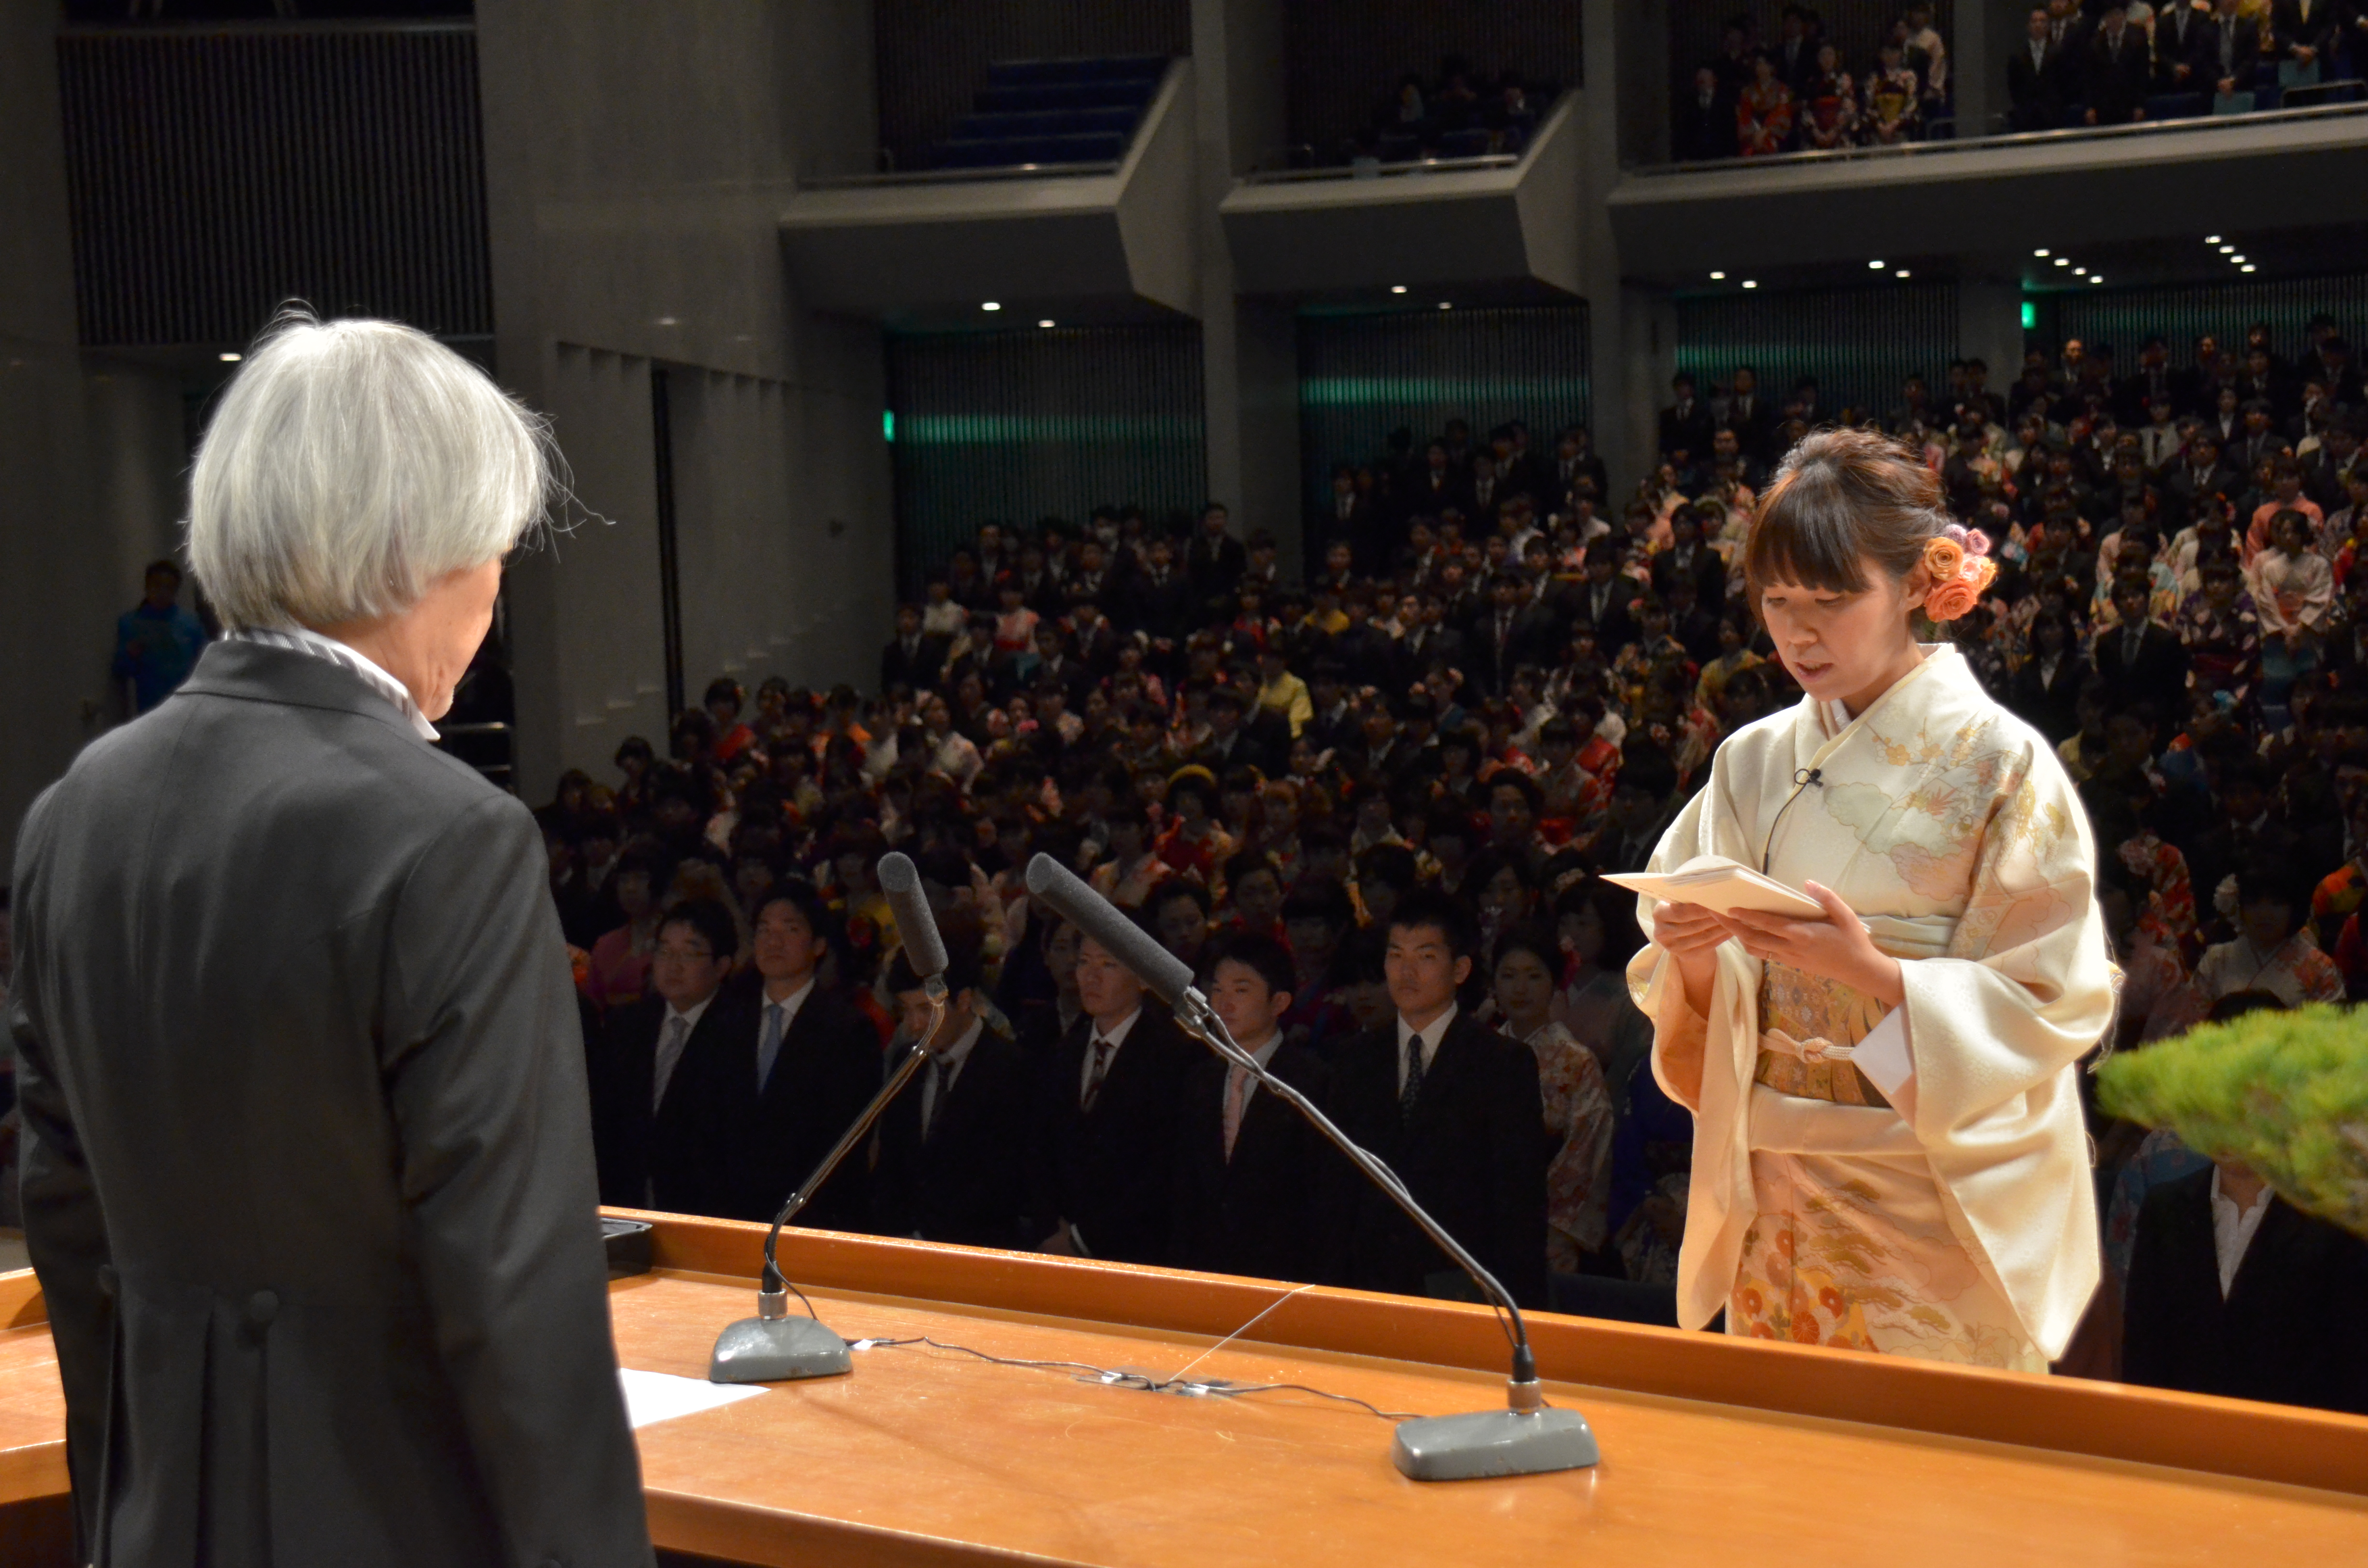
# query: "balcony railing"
2022,139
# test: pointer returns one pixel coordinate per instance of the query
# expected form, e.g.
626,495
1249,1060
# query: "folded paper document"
1718,883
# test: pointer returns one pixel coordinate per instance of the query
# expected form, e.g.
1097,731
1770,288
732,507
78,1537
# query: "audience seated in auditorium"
1334,789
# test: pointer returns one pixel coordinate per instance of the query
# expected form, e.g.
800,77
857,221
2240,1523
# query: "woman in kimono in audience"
1889,1153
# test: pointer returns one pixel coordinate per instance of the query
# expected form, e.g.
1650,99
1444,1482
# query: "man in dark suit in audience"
1215,559
1685,426
912,657
1254,1181
953,1147
1105,1176
2036,73
2139,660
654,1144
1455,1108
2222,50
2120,69
1604,601
2235,1291
1234,741
797,1068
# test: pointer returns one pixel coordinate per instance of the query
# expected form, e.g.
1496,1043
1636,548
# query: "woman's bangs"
1804,541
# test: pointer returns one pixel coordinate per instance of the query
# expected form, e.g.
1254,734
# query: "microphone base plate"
1494,1443
772,1350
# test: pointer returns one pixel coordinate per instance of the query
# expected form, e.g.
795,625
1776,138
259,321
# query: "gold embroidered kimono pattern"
1961,1225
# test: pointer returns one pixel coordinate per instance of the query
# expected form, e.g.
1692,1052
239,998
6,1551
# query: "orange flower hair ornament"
1959,560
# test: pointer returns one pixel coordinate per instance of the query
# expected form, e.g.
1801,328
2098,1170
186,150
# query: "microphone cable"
1143,1381
1802,778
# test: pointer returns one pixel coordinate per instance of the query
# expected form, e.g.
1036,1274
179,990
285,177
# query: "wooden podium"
1715,1450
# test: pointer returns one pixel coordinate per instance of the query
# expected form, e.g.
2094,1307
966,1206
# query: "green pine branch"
2285,1093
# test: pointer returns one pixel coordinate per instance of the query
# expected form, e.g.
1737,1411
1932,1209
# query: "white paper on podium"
661,1396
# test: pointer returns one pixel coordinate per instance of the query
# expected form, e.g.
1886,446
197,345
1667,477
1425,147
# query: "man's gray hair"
351,463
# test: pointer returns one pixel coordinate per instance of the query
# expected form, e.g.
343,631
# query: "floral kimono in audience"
2222,643
1892,103
1957,1220
1763,118
2171,910
1832,116
1578,1115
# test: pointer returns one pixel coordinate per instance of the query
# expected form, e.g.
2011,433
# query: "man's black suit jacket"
2288,1330
917,669
1689,432
669,1158
2158,675
1269,1211
291,991
1474,1154
766,1143
1107,1171
967,1181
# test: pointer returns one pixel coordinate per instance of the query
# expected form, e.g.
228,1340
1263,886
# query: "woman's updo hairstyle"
1844,496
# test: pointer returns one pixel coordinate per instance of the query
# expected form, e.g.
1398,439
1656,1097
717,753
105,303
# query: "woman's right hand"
1690,935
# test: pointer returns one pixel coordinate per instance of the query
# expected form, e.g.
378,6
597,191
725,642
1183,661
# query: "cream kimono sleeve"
1724,1045
1995,1024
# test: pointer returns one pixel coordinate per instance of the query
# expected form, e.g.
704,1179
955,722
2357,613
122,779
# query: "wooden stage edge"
2221,1437
2075,1416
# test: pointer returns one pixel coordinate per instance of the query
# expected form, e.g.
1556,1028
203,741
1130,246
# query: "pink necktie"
1237,1099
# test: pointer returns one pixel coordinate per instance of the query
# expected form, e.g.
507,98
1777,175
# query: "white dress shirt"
1432,1033
2233,1228
304,640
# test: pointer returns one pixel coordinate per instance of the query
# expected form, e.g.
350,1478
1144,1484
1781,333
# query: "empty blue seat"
1045,73
1468,143
1064,94
1053,111
1044,122
2177,106
1002,152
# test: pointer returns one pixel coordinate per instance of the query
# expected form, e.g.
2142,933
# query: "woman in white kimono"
1889,1153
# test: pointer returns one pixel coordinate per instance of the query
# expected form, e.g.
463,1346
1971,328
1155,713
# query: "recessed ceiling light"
1874,267
1397,288
232,359
1446,304
2211,239
2227,250
1047,322
1901,272
1751,283
1718,276
2237,259
668,321
2063,261
2095,277
991,305
2041,251
2246,267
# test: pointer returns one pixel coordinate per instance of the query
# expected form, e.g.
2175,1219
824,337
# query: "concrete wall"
1249,349
635,177
89,452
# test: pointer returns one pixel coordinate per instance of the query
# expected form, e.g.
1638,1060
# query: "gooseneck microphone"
1528,1437
773,1345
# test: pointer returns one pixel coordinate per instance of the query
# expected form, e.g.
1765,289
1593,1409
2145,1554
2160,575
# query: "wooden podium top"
1713,1447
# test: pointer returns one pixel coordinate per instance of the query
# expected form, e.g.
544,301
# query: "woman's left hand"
1837,948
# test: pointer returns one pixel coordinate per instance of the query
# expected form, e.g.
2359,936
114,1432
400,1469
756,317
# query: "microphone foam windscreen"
1167,976
900,880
